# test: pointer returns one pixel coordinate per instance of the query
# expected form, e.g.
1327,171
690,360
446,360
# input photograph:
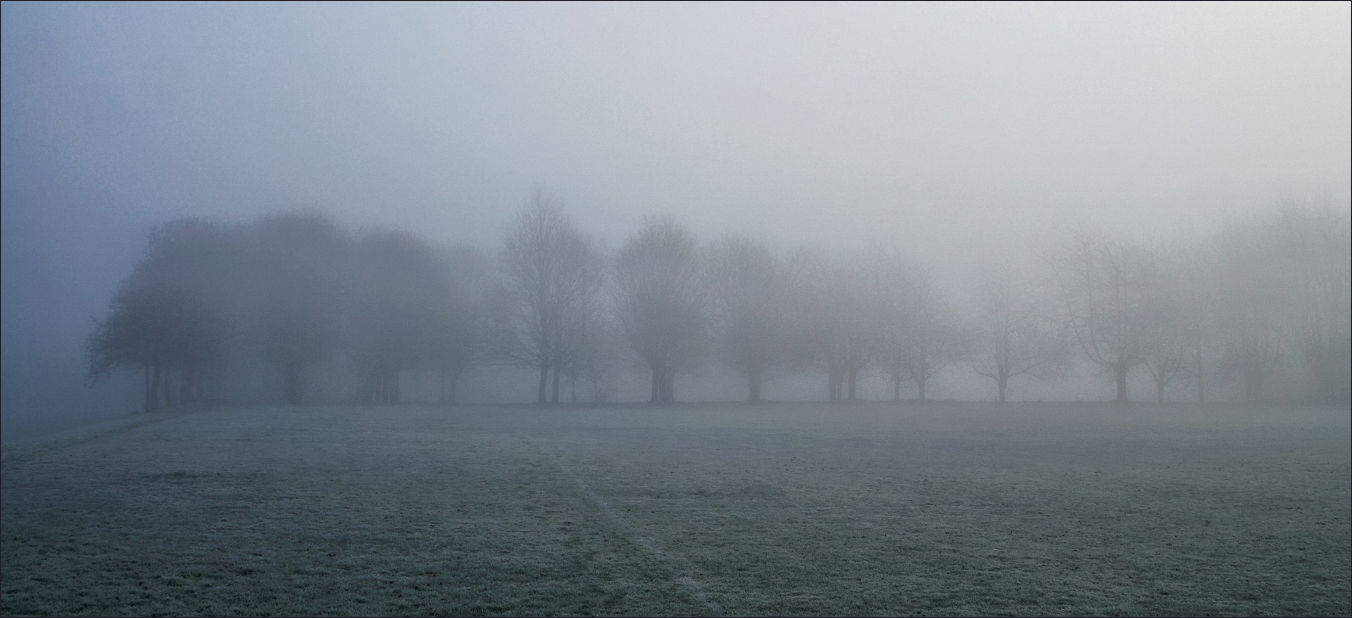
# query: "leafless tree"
830,321
554,273
810,323
889,285
747,295
660,300
931,337
1315,241
1014,335
1166,323
1099,282
1284,298
458,343
1197,292
402,307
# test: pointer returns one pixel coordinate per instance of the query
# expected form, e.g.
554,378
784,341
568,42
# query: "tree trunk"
668,386
595,380
572,389
920,385
1002,383
657,386
147,387
441,386
452,386
896,387
1120,376
554,389
854,382
1159,391
544,382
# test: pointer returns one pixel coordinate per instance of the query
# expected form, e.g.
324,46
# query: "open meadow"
793,509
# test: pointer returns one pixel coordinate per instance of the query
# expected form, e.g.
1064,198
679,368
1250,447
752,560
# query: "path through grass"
730,509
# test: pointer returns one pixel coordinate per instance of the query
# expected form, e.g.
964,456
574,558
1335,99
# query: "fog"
960,135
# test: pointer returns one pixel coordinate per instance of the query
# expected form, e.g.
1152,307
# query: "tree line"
291,298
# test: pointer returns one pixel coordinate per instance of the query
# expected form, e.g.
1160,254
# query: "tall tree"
1013,336
161,329
891,284
931,336
458,343
402,310
554,273
747,293
164,316
301,265
660,300
1165,322
1285,302
1099,281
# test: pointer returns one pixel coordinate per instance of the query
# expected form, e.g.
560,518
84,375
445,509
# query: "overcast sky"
953,130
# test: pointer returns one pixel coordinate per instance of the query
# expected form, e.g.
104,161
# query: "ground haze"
944,509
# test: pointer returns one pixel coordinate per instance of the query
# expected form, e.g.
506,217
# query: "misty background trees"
661,301
293,308
554,274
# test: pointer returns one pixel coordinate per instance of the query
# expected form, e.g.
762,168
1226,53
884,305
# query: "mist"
959,135
728,309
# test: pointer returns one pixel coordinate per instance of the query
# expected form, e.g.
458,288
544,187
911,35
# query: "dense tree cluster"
291,300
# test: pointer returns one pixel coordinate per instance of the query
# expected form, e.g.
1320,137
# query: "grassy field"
949,509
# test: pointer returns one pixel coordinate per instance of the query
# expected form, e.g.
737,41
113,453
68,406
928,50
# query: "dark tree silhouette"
160,329
457,344
747,294
554,274
661,301
1100,284
300,265
403,310
1013,336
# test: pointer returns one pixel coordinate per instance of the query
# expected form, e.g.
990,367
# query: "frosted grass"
799,509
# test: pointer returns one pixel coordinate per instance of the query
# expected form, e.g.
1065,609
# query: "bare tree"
300,268
660,301
1099,284
554,273
1166,324
890,284
829,317
931,338
457,345
1196,274
1315,241
589,354
402,310
1013,336
1284,298
747,294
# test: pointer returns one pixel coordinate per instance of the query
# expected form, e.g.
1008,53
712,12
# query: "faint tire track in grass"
31,450
680,568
